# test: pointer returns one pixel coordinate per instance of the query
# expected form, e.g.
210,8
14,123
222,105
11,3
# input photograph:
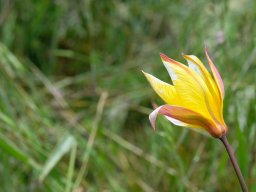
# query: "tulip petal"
166,60
183,117
182,124
190,87
176,122
153,116
216,75
164,90
196,65
191,118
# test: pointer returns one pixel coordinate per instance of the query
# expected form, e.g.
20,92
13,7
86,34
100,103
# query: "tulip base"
234,163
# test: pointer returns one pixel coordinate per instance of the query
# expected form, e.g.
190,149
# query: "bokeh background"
74,104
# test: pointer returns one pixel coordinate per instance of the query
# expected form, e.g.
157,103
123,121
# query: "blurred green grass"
74,104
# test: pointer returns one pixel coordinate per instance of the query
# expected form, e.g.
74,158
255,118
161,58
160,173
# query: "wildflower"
195,99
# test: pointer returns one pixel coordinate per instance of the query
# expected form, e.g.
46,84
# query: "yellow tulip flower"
195,99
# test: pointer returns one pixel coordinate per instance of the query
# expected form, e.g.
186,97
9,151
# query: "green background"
74,104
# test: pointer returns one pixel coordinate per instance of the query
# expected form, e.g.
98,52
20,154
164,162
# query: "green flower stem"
234,163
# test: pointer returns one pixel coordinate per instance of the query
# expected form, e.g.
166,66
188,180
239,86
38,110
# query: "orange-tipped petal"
170,70
153,116
191,118
185,117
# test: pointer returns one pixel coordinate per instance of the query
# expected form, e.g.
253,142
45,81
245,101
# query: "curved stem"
234,163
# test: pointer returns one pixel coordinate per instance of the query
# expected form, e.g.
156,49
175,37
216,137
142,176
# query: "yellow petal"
190,87
216,102
164,90
196,64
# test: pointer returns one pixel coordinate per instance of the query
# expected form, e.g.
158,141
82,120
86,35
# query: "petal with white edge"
183,117
153,116
191,118
176,122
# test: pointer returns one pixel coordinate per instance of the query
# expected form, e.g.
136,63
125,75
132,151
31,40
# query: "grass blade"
64,147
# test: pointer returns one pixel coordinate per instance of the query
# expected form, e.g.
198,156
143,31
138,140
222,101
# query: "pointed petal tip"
185,56
191,58
206,50
149,77
167,59
145,73
153,116
152,122
163,56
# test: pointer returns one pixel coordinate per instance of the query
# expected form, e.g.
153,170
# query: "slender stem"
234,163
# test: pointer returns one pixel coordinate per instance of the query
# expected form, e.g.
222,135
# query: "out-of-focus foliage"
74,104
